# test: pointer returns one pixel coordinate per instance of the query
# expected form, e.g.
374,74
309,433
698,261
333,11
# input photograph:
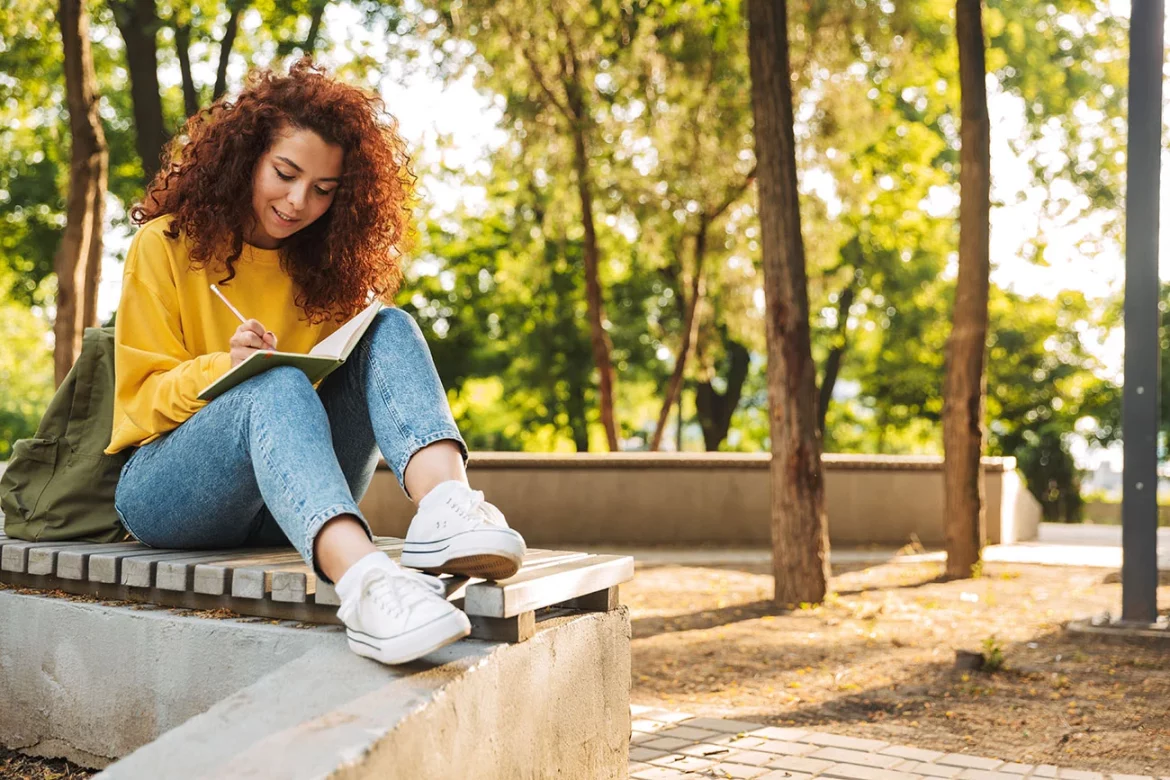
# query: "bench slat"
142,571
14,554
178,572
545,586
255,582
216,578
73,562
326,595
107,567
42,561
293,585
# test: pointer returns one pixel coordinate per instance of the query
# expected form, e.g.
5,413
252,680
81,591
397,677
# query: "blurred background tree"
500,282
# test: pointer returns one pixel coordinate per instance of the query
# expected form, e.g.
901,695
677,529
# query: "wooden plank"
606,600
73,562
292,584
263,608
255,582
141,571
215,579
14,554
544,586
178,573
552,560
326,595
42,561
296,582
107,567
518,628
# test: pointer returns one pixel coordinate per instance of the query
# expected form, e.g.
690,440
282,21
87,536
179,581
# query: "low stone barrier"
184,695
719,499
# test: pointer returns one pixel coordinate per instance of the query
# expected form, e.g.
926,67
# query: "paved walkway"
676,745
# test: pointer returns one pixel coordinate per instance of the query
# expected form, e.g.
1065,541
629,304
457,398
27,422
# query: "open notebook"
318,363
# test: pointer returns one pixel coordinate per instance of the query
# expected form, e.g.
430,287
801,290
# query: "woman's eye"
282,176
324,192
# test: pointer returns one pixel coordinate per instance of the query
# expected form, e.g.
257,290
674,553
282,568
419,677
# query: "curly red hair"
354,247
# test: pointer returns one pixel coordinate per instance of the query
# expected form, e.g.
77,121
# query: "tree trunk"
78,260
833,361
800,538
598,337
137,20
967,345
689,311
689,331
578,419
713,409
225,48
183,51
318,12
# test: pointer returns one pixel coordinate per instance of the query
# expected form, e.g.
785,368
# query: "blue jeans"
272,460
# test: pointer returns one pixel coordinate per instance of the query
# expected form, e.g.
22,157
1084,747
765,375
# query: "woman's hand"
249,338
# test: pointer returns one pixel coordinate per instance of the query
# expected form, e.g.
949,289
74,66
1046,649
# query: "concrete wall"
91,683
712,499
177,696
554,706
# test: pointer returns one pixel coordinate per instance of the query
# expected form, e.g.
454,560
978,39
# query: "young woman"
294,199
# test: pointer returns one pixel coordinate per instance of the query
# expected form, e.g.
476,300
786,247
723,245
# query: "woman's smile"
284,218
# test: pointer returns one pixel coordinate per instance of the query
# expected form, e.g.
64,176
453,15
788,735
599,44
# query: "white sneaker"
395,616
457,532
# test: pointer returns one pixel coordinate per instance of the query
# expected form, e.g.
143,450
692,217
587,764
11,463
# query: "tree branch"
225,48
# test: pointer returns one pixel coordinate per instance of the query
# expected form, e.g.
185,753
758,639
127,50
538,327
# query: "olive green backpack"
59,485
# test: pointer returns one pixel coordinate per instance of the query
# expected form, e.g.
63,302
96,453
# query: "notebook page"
339,343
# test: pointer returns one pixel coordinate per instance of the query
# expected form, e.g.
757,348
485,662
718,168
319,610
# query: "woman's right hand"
249,338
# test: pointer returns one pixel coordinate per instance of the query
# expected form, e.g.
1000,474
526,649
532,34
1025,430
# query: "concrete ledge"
715,499
91,683
557,705
183,696
1110,629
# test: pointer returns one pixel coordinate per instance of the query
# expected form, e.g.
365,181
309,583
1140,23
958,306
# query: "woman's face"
294,184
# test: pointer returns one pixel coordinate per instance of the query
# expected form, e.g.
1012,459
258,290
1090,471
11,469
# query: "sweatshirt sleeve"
157,380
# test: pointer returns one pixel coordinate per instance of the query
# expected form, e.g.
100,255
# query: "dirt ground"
14,766
877,660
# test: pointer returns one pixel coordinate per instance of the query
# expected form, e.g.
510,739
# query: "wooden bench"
276,583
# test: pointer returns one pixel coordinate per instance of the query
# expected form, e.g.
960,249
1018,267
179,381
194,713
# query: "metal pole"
1139,497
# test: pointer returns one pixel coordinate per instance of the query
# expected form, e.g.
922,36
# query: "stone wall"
717,499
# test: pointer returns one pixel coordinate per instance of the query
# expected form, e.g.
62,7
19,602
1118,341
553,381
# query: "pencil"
228,303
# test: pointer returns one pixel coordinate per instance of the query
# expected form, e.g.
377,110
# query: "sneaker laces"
488,513
397,593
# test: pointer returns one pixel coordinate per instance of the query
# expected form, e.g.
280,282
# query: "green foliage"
992,654
659,90
26,372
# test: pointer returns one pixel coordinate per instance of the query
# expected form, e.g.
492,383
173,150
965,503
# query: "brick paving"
669,745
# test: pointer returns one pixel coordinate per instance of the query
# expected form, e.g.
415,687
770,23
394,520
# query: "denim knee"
279,384
395,326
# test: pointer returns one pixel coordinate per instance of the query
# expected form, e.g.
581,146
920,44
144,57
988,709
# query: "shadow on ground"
1058,699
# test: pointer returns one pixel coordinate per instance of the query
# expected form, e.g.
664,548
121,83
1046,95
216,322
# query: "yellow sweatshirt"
171,333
